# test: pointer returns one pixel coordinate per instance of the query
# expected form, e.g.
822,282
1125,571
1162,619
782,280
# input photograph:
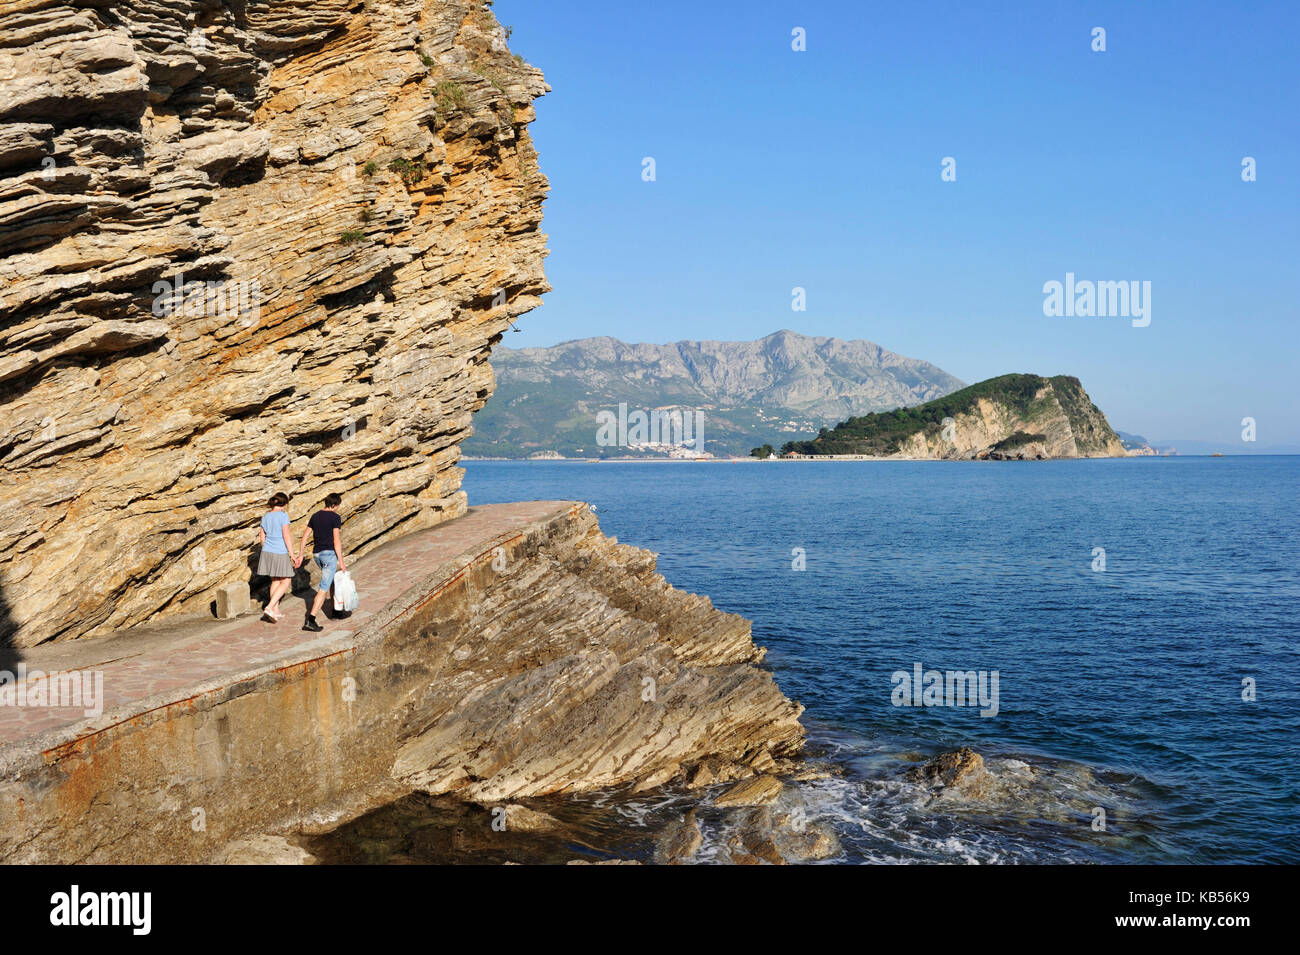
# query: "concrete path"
169,661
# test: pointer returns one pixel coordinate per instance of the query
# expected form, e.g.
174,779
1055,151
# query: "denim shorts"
329,563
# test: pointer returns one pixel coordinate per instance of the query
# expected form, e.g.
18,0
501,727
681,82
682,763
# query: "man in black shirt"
328,551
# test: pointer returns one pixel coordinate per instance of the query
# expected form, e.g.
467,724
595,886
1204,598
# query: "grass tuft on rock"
449,95
411,171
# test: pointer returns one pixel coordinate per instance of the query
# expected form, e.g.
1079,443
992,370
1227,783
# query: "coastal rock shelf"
244,248
513,652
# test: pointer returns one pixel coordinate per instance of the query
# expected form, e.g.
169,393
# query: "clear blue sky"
821,169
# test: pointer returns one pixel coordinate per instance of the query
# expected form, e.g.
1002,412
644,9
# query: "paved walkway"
173,658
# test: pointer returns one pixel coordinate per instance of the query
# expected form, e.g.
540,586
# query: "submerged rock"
813,842
680,841
959,773
797,837
949,769
597,862
522,819
763,848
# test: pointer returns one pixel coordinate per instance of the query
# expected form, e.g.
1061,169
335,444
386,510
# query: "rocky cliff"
542,658
1012,417
783,384
243,248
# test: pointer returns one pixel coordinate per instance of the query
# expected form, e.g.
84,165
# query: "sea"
1133,623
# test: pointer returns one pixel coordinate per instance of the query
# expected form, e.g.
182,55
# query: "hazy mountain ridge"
1133,442
779,386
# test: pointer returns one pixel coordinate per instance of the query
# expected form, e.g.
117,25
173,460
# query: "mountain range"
782,386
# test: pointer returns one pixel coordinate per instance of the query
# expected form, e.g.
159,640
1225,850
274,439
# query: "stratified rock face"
548,659
243,248
1060,422
583,669
1011,417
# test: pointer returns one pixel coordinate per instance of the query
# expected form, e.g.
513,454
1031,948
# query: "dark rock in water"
522,819
601,862
778,837
766,850
680,841
444,830
800,839
958,768
752,847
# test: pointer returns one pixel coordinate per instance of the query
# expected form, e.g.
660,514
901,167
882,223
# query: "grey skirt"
274,565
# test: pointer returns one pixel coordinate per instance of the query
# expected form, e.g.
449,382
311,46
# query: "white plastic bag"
345,593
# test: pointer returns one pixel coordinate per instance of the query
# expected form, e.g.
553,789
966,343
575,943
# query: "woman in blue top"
278,560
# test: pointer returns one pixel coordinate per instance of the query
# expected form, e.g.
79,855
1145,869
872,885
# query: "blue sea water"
1119,689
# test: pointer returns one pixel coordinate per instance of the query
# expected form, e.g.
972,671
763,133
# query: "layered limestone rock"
1061,422
248,248
243,248
546,660
1011,417
583,669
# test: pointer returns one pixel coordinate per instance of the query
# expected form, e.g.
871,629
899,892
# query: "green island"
1027,397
